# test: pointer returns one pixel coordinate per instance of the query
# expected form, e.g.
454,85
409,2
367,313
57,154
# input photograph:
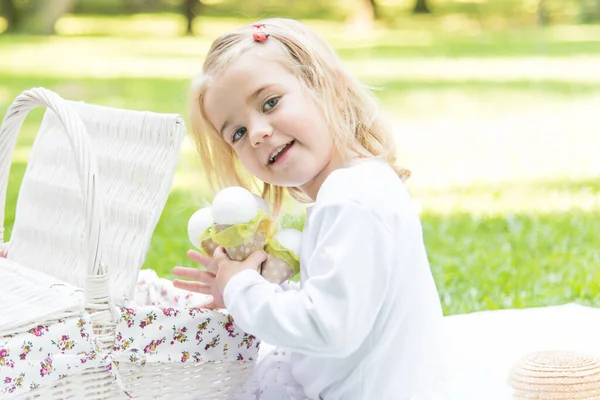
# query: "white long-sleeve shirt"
366,322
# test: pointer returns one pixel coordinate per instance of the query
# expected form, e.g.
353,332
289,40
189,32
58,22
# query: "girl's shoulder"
372,183
358,180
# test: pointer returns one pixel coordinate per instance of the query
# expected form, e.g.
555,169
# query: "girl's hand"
203,281
227,268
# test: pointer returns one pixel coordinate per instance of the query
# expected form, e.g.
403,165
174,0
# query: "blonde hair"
350,108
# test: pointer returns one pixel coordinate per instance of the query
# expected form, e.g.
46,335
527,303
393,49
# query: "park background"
495,104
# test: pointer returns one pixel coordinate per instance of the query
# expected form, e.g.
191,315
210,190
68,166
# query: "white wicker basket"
95,185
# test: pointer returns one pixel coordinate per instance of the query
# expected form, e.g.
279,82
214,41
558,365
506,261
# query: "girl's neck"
311,189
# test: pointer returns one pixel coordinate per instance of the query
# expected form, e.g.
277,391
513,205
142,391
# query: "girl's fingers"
194,273
199,258
192,286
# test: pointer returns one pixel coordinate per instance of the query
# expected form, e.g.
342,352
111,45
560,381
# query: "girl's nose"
260,133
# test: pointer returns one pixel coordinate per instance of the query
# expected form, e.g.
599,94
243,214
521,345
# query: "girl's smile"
279,154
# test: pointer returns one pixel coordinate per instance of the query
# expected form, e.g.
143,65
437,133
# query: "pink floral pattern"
43,354
177,334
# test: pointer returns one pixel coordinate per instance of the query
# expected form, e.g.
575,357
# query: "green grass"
503,153
519,260
502,255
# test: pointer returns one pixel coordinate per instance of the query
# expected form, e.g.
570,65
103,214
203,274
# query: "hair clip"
259,33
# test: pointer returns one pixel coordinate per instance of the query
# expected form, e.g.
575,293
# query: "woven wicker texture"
95,185
47,299
556,375
41,240
137,153
208,381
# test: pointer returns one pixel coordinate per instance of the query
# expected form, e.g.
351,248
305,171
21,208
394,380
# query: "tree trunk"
11,14
421,7
189,11
543,18
46,15
374,8
363,15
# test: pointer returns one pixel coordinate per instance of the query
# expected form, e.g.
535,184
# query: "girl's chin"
288,183
289,178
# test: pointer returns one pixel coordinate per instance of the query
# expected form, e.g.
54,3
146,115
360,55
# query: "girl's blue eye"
237,135
272,102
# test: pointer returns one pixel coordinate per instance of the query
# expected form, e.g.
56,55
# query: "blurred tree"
543,16
136,6
151,5
129,5
374,8
421,7
191,8
45,15
36,16
589,11
362,14
10,13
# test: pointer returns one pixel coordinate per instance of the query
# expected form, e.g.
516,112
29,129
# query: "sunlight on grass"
141,25
459,23
150,46
465,141
138,25
511,198
574,33
581,69
182,58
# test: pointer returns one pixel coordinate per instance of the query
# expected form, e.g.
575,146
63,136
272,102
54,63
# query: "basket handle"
97,288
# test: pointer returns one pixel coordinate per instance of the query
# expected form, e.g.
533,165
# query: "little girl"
365,321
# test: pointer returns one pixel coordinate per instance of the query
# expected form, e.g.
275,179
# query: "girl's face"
264,112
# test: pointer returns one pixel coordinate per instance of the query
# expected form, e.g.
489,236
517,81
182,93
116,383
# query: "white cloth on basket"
195,334
154,291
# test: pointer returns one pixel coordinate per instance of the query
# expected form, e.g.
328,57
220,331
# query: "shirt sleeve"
335,309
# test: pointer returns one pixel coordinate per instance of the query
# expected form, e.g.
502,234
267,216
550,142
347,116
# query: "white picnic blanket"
483,346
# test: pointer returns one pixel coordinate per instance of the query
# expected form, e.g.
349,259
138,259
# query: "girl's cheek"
251,164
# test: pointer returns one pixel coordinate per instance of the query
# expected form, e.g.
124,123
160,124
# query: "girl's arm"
337,305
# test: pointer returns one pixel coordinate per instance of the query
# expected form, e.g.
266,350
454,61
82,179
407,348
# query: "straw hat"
556,375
